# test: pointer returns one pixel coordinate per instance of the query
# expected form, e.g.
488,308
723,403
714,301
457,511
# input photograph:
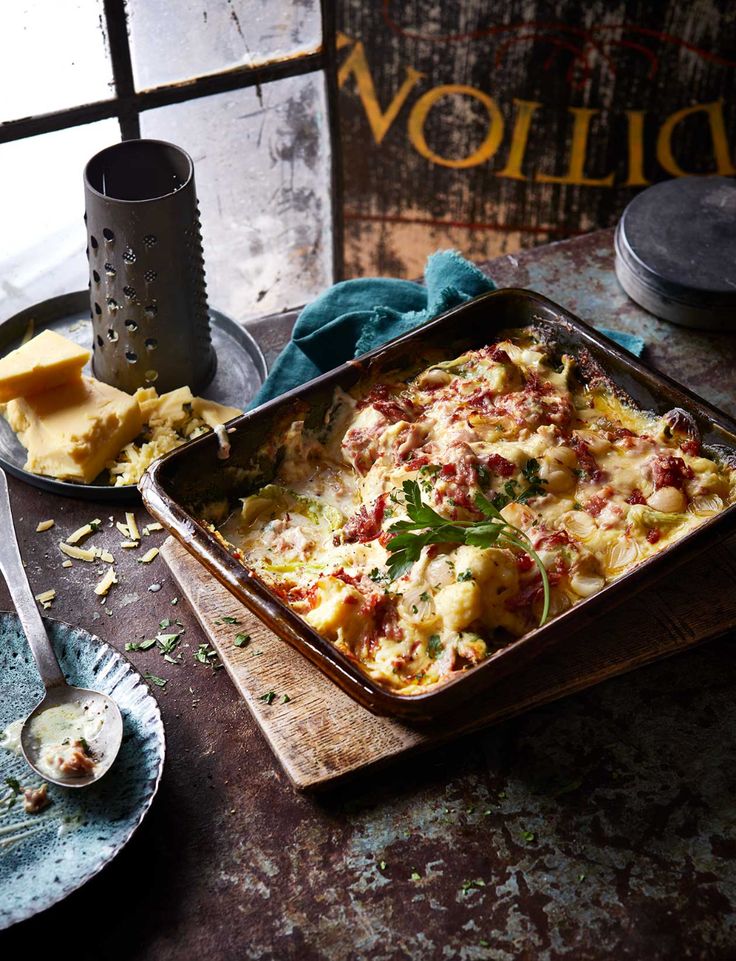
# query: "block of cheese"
73,430
46,361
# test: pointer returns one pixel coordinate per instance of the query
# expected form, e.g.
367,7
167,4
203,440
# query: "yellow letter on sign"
578,150
714,112
420,111
356,63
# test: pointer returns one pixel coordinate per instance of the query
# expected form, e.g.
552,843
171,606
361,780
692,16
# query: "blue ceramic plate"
45,856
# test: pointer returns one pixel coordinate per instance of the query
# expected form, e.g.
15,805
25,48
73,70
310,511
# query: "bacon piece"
346,578
636,497
691,447
653,535
392,407
497,464
587,461
598,502
365,524
535,384
669,471
551,539
499,355
416,462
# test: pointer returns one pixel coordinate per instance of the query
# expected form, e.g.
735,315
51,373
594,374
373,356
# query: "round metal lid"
676,251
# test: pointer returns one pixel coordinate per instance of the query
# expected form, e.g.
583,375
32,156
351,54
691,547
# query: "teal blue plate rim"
82,830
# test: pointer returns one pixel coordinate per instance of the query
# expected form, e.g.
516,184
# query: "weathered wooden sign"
491,126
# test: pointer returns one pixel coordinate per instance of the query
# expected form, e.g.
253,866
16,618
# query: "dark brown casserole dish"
181,488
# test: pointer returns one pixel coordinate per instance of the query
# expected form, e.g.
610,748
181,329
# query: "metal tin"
177,488
148,298
676,251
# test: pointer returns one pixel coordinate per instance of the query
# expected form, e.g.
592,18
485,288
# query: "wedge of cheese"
172,410
213,413
73,430
46,361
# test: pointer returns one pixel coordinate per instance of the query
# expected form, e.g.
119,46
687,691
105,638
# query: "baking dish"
179,486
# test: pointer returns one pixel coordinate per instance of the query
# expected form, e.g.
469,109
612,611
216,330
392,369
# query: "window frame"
127,103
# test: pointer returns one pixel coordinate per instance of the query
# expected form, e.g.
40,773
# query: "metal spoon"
59,694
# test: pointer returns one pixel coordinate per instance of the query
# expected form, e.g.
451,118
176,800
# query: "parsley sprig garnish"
425,526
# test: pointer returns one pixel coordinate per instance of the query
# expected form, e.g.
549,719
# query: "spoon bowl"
73,735
64,711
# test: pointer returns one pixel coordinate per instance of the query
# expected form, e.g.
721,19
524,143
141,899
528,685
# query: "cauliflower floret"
459,604
338,609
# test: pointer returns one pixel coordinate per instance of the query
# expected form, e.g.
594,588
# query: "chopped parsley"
465,576
154,679
140,645
529,836
241,640
269,697
435,646
230,620
168,642
416,876
424,596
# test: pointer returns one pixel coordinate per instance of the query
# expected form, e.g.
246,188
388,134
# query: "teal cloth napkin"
356,316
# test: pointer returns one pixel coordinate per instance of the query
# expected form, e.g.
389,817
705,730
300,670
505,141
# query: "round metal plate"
46,856
241,370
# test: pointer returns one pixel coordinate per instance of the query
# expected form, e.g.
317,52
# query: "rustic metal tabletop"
601,826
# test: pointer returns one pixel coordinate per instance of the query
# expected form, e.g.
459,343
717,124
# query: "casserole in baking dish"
423,520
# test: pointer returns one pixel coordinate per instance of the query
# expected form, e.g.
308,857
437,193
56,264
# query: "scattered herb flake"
529,836
469,885
435,646
230,620
158,681
241,640
269,697
416,876
140,645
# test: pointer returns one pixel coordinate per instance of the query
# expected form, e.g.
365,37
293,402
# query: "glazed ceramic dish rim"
107,650
255,595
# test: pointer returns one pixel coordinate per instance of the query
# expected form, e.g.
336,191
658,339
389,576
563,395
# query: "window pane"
43,236
53,55
189,38
262,172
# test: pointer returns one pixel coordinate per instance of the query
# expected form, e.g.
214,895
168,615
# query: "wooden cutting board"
321,736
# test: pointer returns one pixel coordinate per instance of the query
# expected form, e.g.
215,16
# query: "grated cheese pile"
169,420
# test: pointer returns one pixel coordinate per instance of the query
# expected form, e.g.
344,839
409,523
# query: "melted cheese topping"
596,484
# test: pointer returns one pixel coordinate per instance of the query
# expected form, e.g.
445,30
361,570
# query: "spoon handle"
14,573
